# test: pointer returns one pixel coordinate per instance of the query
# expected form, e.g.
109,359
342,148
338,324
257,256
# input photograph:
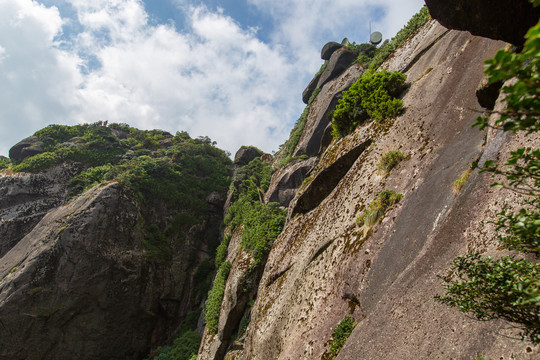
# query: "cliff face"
325,267
112,272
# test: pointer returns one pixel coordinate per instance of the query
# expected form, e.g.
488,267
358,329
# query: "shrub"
215,298
461,181
340,334
389,161
486,287
221,251
376,209
373,96
4,162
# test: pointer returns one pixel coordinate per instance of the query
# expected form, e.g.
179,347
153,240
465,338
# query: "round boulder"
25,148
245,154
329,48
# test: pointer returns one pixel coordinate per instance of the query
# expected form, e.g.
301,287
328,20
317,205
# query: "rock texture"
245,154
496,19
340,61
26,198
329,48
25,148
322,267
286,181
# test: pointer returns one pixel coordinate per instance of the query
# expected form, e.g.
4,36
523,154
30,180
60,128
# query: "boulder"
329,48
245,154
310,88
496,19
25,148
286,181
340,60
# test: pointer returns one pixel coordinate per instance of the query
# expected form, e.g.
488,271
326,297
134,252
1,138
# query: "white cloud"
214,78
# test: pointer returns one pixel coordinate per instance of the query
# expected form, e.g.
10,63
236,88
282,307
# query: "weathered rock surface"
495,19
245,154
320,110
329,48
322,269
26,198
25,148
340,61
286,181
306,94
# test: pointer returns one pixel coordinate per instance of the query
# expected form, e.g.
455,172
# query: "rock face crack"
325,181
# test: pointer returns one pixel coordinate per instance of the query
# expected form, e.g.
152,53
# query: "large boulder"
245,154
25,148
329,48
496,19
340,60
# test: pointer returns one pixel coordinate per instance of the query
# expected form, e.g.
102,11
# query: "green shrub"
38,162
215,298
340,334
485,287
4,162
461,181
376,209
285,160
221,251
389,161
372,97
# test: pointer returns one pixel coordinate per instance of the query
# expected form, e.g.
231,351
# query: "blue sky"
233,70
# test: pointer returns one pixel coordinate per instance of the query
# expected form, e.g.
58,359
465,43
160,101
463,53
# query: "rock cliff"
325,267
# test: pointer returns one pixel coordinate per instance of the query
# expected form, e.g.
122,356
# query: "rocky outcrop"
499,19
245,154
321,109
322,268
329,48
306,94
286,181
340,61
25,148
26,198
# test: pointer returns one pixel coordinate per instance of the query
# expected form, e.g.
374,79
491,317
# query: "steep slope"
107,232
324,266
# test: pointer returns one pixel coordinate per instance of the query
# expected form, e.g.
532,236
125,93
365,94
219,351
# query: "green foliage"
461,180
221,251
390,161
506,288
376,209
285,160
187,343
215,298
522,97
262,224
372,97
175,172
296,132
4,162
509,288
388,47
340,334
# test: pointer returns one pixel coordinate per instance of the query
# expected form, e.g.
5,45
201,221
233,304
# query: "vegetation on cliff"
509,288
340,334
372,97
376,210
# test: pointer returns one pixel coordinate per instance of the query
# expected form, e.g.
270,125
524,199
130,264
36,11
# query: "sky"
232,70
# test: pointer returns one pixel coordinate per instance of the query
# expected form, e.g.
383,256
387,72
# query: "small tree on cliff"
509,288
